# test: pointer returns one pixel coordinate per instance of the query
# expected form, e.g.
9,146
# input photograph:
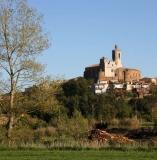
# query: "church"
112,70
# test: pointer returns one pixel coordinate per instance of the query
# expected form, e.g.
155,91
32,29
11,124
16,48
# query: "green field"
39,154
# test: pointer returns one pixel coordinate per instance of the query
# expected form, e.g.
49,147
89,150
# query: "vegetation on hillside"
54,109
68,110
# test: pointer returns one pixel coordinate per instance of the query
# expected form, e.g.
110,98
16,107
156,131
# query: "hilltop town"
123,79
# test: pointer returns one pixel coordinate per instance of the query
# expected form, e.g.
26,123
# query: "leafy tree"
75,127
106,113
76,87
76,95
79,126
143,106
40,100
35,107
22,40
123,109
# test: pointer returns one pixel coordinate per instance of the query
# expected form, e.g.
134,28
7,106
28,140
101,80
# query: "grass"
78,151
147,125
105,154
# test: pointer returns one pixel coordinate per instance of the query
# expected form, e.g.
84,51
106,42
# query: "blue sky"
83,31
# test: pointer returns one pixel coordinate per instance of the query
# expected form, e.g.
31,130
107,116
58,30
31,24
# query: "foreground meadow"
45,154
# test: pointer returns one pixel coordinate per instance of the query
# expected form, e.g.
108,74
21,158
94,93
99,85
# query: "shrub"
39,133
91,124
50,131
154,114
114,122
131,123
2,133
39,124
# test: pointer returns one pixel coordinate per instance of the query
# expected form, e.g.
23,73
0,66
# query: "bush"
91,124
39,133
50,131
39,124
114,122
131,123
3,132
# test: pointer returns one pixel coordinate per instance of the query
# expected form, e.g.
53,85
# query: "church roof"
132,69
93,65
129,68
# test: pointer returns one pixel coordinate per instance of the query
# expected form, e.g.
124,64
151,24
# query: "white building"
108,67
102,86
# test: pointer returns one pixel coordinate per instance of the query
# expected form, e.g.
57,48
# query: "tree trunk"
10,127
11,118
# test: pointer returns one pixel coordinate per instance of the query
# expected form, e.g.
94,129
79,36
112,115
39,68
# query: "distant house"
100,87
148,80
140,88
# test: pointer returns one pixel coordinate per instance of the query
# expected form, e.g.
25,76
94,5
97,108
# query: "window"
111,70
119,55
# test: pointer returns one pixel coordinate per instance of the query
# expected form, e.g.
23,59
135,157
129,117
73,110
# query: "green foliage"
106,113
22,133
3,132
78,125
44,131
39,133
129,94
154,114
76,87
76,95
50,131
40,100
75,127
22,41
143,106
123,109
126,123
130,123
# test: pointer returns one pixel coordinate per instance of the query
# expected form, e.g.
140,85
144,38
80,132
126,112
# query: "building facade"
111,70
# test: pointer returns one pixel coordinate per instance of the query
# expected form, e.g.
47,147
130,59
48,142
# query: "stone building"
127,74
111,70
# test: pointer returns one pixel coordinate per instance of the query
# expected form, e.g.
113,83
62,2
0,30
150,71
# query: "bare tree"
22,40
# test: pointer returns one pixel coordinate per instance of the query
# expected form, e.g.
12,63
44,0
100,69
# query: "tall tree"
106,113
22,39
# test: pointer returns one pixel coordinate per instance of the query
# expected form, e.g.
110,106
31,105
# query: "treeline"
77,95
69,110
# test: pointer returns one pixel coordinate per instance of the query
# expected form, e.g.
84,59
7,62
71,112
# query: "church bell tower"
116,56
